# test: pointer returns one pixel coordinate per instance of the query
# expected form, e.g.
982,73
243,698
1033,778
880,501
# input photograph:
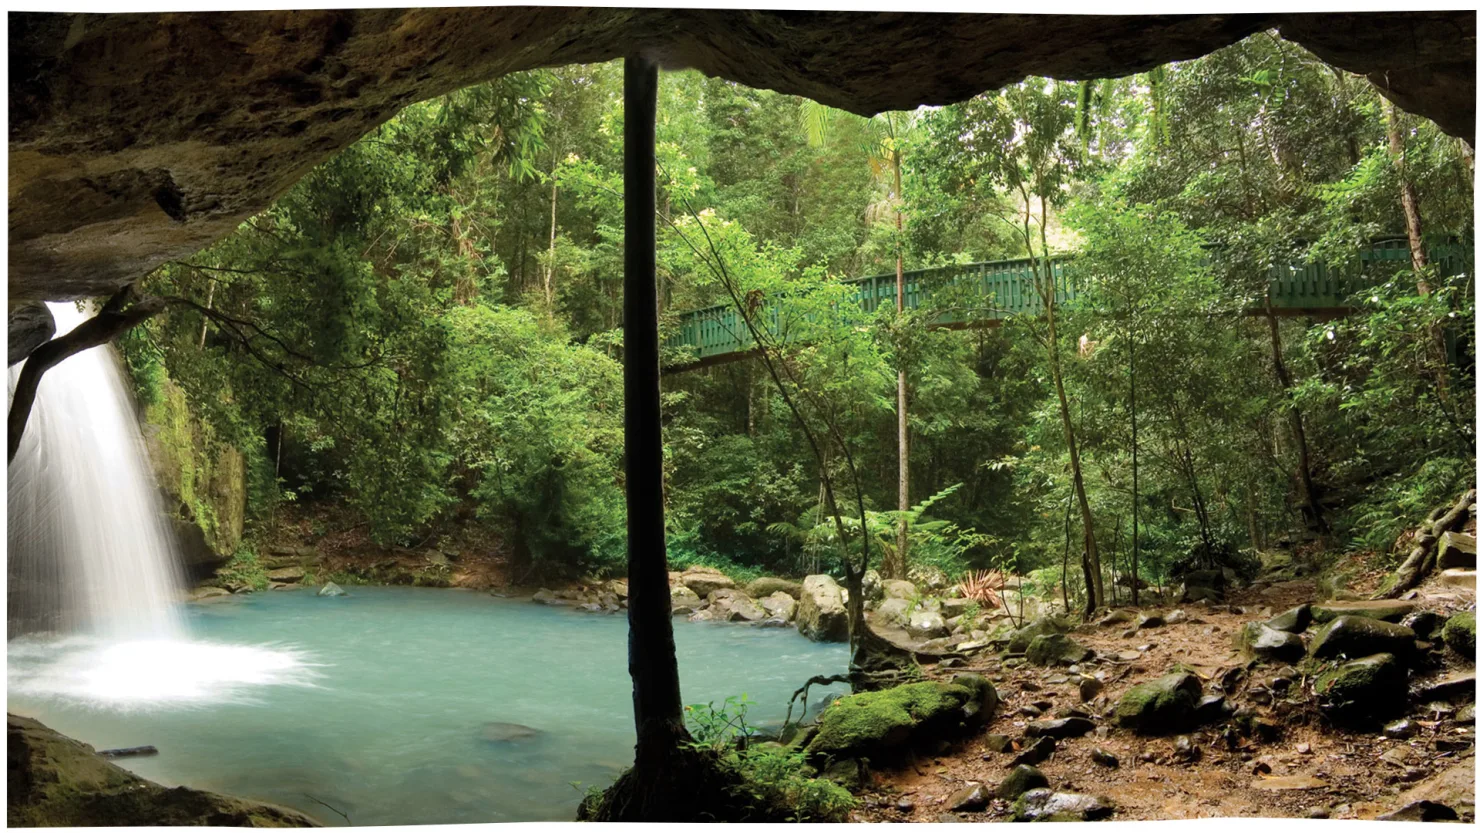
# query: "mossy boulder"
876,724
1046,805
1360,636
984,700
1456,552
1387,610
1260,641
55,781
1055,649
1022,778
1459,635
1371,688
1041,626
1162,706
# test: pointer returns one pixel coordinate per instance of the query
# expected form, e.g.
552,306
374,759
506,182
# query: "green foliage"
244,568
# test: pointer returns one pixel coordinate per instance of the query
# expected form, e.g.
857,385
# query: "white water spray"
93,561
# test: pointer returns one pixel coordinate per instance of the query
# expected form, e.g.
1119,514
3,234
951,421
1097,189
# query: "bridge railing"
1006,289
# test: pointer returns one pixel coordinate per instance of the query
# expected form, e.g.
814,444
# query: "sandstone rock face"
821,615
55,781
140,138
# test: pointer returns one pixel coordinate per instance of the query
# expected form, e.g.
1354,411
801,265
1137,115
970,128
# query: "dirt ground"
1340,774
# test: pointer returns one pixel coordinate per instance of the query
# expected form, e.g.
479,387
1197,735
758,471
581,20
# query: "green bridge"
717,334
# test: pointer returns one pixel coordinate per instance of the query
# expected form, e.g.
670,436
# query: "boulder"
208,592
545,596
705,580
1387,610
763,587
957,607
1423,623
1456,551
821,614
927,624
979,709
1022,778
1036,752
1359,636
1260,641
1046,805
877,724
736,606
1459,635
892,612
1371,688
1038,627
780,605
1061,728
1056,649
1462,579
873,586
1161,706
331,589
1294,620
684,600
55,781
970,798
1203,585
898,588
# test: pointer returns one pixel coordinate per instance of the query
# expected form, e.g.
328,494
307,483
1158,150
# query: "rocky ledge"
55,781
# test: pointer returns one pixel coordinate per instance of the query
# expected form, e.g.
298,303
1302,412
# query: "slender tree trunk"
550,262
898,566
1408,194
204,322
651,659
1297,421
1135,484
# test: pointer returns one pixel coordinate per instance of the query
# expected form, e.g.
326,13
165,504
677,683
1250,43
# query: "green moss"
876,720
1165,704
1371,687
1459,634
244,569
207,477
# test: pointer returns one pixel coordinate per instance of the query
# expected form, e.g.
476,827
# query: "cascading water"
93,563
84,509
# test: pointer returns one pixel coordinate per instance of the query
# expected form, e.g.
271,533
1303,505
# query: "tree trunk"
1135,486
651,659
550,258
898,566
1297,422
1408,194
205,322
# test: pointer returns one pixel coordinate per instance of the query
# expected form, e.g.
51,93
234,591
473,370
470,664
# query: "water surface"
378,703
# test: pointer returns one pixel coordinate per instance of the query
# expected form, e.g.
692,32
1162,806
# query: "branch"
116,316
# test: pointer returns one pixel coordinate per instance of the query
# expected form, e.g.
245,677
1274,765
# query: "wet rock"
546,597
1104,758
1294,620
1423,623
1022,778
1069,727
1055,649
763,587
1163,705
1455,688
684,600
1260,641
971,798
927,624
1368,688
208,592
731,605
1360,636
1387,610
1036,752
1456,551
821,614
331,589
1459,635
780,605
1047,805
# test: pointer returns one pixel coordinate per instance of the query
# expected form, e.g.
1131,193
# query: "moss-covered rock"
1359,636
1022,778
1161,706
1047,805
1041,626
878,722
1370,688
1294,620
1260,641
1459,635
55,781
1055,649
1387,610
763,587
984,700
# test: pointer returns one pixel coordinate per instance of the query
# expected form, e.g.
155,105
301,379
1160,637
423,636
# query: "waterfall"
95,578
91,549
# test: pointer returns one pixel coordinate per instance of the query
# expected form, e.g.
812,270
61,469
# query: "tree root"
1422,556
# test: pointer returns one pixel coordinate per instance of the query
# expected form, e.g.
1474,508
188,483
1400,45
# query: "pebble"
1302,748
1090,688
905,805
1400,729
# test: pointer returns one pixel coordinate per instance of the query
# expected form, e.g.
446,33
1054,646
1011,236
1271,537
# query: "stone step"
1464,579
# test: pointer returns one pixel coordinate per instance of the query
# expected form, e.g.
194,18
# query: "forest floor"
1311,769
